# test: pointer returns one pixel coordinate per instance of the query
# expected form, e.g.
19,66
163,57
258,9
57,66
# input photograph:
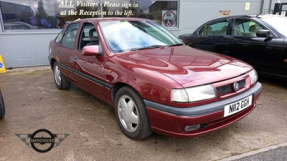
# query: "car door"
262,52
211,36
90,72
66,49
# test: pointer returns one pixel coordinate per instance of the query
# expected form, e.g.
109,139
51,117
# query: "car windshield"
278,23
122,36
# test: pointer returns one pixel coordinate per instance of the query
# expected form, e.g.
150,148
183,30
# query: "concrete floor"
279,154
33,102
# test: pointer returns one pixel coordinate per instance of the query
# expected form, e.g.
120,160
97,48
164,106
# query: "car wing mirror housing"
92,50
263,33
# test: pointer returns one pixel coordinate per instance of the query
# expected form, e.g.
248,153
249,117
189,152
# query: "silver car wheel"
57,75
128,113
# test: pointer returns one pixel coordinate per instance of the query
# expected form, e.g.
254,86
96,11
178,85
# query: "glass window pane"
129,35
217,28
164,12
284,7
70,36
89,36
45,14
28,14
54,14
60,35
245,27
203,30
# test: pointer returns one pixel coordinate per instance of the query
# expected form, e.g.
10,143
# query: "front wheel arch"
118,86
52,63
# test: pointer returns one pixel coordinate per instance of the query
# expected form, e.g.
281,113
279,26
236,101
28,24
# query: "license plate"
235,107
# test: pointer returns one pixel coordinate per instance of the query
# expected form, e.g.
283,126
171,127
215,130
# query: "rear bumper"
171,121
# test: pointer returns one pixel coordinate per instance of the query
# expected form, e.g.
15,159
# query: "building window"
27,15
165,12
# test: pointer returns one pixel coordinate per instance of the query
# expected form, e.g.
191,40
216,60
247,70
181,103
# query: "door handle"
75,58
58,52
234,42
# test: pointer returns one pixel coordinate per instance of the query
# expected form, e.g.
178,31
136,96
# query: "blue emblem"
1,65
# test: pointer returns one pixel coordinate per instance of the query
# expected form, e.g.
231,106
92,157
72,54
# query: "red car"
154,82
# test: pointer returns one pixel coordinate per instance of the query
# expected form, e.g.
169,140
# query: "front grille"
242,83
228,88
224,89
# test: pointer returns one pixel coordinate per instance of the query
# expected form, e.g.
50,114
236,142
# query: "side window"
203,30
88,36
217,28
245,27
60,35
70,36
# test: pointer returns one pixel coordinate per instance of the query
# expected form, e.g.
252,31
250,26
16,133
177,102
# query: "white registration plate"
235,107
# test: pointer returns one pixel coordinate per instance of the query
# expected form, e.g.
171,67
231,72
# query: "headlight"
253,76
193,94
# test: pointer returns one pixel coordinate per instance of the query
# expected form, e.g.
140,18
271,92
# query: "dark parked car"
258,40
2,106
154,82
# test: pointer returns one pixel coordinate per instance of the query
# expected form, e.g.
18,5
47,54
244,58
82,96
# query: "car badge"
235,86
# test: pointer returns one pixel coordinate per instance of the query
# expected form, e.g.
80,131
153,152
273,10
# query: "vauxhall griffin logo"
235,86
42,140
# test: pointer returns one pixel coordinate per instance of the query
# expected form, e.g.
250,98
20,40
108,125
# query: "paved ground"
279,154
33,102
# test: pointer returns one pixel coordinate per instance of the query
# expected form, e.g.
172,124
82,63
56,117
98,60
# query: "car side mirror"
92,50
263,33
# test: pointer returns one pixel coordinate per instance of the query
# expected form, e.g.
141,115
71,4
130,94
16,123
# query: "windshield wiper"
148,47
177,44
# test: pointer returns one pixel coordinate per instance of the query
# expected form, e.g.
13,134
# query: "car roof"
111,18
246,16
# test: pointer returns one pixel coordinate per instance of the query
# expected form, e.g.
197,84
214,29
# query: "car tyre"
2,106
59,79
131,114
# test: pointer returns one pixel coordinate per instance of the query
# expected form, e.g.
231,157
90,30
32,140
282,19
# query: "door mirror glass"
92,50
263,33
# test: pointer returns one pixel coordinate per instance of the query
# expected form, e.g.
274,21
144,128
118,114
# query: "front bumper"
171,121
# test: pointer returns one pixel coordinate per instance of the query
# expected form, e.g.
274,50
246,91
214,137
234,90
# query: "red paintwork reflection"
178,67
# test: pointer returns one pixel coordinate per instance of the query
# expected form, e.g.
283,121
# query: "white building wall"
25,49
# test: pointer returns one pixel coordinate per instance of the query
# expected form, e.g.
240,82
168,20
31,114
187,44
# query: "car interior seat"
94,39
236,29
209,31
224,30
253,30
